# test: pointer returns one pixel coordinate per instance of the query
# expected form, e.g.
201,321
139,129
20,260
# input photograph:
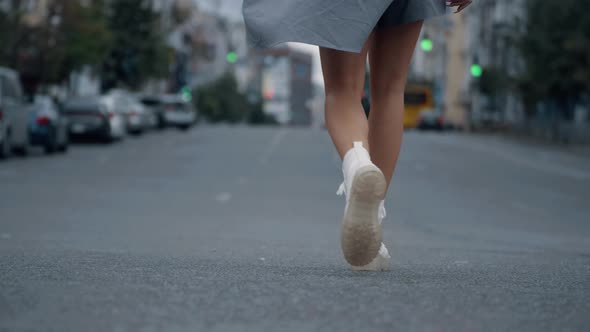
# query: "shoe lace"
341,190
382,212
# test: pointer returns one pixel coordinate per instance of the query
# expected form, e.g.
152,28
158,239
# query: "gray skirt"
339,24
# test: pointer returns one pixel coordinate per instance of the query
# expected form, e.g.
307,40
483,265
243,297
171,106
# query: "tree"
555,46
220,101
86,35
72,35
11,35
138,51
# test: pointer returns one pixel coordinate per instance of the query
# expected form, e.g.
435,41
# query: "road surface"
237,229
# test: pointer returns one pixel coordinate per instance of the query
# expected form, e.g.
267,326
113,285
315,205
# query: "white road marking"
521,159
274,144
223,197
420,167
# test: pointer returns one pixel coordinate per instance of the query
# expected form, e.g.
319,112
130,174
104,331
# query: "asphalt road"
237,229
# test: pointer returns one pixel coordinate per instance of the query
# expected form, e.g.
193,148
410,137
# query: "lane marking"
223,197
274,144
540,165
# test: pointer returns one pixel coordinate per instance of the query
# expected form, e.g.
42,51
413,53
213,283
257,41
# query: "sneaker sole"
361,231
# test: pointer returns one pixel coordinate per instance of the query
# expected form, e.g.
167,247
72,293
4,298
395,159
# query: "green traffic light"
427,45
186,93
476,70
232,57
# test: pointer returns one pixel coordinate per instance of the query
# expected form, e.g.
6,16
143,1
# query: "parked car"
153,104
432,119
177,112
95,117
15,113
136,117
49,126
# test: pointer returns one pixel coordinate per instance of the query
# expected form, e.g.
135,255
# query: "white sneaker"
383,260
364,186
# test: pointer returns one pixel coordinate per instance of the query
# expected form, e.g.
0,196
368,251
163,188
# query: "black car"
91,117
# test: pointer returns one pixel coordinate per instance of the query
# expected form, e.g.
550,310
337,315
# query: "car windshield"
82,106
150,102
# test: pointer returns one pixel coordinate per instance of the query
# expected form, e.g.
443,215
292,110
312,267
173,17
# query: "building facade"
488,24
286,85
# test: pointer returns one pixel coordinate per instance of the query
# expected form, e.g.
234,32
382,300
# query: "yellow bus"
418,98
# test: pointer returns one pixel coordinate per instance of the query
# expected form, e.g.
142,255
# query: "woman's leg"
389,57
344,77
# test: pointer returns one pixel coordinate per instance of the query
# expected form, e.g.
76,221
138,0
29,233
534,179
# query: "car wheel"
51,146
5,147
21,151
108,139
64,146
161,123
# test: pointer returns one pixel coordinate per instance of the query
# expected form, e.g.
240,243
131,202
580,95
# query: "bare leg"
389,56
344,77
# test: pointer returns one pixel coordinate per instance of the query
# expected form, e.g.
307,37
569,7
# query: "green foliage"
258,117
85,33
139,51
220,101
10,34
493,81
49,51
124,33
555,46
82,39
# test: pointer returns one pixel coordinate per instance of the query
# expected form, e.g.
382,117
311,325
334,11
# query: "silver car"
178,112
15,114
136,116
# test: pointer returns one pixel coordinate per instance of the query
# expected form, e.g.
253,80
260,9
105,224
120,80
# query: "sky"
233,10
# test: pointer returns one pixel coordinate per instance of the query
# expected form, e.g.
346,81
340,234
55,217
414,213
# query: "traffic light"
186,94
426,44
476,70
232,57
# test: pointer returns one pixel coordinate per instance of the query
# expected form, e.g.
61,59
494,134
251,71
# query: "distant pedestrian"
347,31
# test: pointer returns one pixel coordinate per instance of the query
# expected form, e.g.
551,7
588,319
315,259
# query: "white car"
177,112
136,116
14,115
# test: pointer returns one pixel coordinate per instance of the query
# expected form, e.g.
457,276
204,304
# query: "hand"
462,4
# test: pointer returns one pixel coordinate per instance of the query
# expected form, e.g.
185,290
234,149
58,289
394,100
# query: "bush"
220,101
